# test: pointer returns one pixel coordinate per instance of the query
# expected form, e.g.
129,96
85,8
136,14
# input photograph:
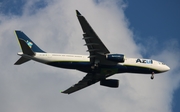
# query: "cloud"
55,28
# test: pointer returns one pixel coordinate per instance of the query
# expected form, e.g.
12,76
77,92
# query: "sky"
147,29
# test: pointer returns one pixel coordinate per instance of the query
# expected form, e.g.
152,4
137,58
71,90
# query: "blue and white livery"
98,65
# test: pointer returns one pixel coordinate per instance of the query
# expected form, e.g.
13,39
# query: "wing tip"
78,13
64,92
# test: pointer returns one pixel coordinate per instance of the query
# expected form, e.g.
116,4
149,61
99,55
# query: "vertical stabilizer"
23,39
28,47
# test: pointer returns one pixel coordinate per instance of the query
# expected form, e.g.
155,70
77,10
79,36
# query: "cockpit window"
161,63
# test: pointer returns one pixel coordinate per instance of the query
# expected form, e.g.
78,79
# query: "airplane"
98,65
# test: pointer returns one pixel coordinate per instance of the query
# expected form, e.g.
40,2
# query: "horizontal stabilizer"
21,61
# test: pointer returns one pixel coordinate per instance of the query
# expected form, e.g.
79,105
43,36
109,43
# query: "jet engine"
116,57
114,83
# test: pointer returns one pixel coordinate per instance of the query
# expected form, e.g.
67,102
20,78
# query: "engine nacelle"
114,83
116,57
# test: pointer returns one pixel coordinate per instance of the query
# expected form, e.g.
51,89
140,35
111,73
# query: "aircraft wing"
97,51
95,46
88,80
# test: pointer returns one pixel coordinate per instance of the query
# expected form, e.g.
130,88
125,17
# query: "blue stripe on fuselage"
86,67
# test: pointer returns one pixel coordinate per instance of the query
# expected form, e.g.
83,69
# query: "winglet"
78,13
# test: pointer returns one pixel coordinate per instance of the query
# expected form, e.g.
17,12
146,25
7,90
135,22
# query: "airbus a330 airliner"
98,65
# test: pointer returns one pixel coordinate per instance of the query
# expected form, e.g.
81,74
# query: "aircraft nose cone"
168,68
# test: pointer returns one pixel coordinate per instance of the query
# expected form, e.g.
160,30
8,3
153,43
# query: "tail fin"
26,42
27,45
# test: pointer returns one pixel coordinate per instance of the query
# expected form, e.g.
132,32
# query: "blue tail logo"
21,36
30,44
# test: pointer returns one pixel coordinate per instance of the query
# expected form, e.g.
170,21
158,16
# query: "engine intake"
114,83
116,57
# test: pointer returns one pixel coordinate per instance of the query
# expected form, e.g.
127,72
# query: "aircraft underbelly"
102,69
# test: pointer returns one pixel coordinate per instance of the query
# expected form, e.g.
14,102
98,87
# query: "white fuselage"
69,59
